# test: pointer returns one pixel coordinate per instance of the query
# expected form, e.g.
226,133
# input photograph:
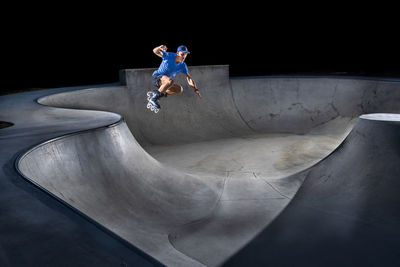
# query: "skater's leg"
165,82
174,89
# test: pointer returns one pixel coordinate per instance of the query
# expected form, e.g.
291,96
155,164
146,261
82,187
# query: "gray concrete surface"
35,229
346,213
195,183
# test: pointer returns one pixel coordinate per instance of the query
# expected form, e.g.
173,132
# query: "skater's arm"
192,84
158,50
191,81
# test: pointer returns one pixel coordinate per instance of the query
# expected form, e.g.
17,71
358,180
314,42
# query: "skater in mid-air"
171,65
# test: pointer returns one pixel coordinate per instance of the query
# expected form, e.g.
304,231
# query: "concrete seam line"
237,109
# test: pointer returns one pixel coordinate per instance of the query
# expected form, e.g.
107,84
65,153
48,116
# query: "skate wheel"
148,105
148,93
148,98
156,110
151,108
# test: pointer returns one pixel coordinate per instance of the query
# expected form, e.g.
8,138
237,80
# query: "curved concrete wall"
290,104
346,213
236,106
106,175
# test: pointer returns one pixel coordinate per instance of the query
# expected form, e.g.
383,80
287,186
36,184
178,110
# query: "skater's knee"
167,81
175,89
178,89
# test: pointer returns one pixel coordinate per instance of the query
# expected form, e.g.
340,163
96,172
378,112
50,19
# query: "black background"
65,45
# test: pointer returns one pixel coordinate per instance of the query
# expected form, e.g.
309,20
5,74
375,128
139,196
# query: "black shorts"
155,78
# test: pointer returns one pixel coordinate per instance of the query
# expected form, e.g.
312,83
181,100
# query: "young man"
171,65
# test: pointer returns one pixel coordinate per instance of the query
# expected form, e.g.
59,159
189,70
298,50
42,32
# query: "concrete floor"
254,171
196,183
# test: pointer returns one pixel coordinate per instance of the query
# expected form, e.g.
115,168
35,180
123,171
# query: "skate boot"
153,98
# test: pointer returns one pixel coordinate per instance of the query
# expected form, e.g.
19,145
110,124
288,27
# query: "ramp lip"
191,66
387,79
75,89
33,147
120,120
393,117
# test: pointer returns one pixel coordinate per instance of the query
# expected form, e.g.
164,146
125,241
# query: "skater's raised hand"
163,48
158,50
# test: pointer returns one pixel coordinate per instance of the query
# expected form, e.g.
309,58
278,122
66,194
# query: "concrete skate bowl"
194,184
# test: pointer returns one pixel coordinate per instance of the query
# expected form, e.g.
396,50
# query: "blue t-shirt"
168,66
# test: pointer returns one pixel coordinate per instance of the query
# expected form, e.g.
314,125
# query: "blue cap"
183,49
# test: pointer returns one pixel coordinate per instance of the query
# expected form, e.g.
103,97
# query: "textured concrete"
195,183
347,211
35,229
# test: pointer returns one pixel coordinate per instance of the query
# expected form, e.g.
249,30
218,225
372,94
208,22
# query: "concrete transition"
263,171
347,210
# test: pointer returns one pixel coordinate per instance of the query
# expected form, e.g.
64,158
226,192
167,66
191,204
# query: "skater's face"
182,55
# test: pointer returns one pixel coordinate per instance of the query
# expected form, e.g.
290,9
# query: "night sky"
68,46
